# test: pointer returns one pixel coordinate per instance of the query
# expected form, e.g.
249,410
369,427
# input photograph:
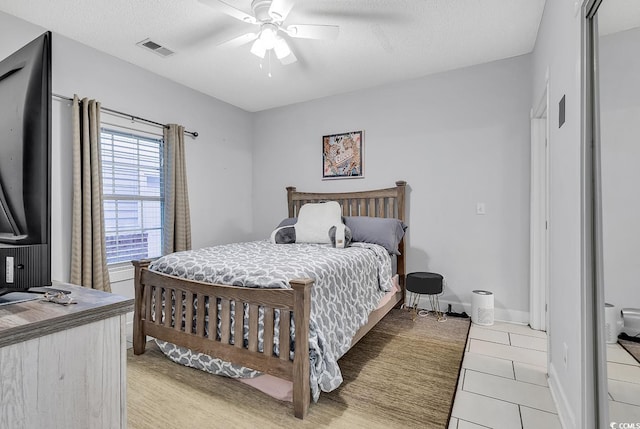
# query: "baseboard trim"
565,413
501,314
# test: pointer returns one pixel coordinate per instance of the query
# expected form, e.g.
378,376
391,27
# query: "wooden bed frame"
156,320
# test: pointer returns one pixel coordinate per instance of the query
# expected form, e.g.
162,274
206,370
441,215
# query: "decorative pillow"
288,221
284,235
386,232
340,236
314,221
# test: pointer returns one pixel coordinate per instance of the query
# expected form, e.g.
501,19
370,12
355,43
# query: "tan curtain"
88,250
177,218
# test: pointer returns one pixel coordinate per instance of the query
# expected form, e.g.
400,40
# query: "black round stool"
422,283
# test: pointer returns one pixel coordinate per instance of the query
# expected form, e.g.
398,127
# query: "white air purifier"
482,307
612,323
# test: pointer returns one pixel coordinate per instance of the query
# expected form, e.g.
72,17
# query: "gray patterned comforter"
349,283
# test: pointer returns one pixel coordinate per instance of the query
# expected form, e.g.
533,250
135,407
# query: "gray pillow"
285,235
386,232
288,221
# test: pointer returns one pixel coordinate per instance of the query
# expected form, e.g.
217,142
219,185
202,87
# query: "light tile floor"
623,372
503,381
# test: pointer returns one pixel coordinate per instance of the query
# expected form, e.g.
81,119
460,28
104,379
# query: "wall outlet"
565,352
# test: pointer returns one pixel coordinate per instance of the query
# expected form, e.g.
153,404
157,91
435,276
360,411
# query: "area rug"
632,347
403,373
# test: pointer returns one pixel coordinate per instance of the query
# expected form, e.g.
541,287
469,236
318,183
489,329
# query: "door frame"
595,395
539,220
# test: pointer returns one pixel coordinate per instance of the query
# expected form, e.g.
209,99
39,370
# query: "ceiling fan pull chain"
269,74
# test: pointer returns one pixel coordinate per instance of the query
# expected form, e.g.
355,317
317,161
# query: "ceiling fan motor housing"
261,10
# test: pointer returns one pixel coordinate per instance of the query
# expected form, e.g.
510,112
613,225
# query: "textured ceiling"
380,41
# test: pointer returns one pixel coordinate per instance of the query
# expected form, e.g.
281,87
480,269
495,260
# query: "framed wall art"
343,155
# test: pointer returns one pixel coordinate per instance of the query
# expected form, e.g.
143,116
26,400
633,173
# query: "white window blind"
132,192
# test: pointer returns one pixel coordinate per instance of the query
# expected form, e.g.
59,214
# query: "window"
133,200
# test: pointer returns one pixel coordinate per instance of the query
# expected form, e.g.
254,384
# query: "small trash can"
482,307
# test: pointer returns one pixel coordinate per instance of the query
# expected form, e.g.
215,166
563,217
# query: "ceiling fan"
270,15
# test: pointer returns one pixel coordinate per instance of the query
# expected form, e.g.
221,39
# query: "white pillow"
315,220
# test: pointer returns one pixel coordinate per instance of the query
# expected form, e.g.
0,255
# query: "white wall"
558,52
219,161
620,137
457,138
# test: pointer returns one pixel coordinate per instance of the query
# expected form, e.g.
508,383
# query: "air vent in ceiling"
155,47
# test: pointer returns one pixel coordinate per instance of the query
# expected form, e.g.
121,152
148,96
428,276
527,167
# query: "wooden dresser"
64,366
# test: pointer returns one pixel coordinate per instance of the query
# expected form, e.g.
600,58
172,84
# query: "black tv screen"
25,166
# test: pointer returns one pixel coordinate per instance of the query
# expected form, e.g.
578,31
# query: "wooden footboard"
153,317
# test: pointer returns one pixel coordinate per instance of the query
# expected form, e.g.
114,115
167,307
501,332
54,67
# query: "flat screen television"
25,167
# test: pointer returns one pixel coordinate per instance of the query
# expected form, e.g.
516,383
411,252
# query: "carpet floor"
402,374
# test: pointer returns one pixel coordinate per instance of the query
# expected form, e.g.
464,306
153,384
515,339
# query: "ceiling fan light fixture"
258,48
268,35
281,48
289,59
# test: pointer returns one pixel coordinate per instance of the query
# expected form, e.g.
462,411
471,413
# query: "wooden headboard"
388,202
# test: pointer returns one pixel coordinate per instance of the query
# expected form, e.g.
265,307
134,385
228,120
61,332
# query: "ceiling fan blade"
229,10
310,31
240,40
279,9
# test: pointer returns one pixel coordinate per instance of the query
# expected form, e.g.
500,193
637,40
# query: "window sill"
121,272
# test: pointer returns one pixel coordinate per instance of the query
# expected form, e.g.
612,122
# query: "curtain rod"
193,134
